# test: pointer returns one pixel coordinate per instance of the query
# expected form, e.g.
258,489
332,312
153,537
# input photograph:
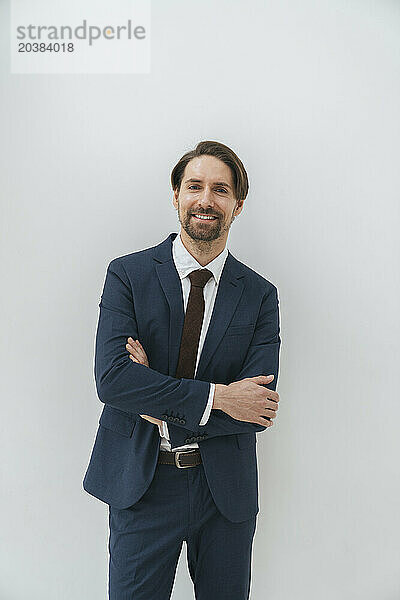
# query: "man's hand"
247,400
137,354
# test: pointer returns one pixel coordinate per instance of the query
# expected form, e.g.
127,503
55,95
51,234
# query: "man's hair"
210,148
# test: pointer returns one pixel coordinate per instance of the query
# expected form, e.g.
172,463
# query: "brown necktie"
192,324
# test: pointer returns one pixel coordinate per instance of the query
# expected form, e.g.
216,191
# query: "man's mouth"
204,217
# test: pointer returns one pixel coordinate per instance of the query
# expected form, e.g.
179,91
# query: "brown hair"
239,175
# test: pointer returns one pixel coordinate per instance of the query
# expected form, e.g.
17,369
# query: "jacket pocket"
118,421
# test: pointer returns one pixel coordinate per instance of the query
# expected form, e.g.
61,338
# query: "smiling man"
208,188
186,364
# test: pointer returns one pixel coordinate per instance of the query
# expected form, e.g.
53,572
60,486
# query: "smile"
204,217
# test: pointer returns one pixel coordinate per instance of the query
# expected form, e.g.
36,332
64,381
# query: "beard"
205,232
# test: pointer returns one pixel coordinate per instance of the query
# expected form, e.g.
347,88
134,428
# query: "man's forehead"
208,170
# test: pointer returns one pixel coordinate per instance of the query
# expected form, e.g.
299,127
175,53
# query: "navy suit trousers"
145,541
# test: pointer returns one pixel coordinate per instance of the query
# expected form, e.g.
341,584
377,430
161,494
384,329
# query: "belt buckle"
177,459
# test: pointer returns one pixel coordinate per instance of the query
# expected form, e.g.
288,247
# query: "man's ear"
239,204
175,197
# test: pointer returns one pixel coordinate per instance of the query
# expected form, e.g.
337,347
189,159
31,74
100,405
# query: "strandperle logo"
80,36
91,33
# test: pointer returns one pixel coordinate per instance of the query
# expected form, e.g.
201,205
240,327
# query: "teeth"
204,217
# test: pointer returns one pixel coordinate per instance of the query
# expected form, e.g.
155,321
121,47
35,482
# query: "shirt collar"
185,263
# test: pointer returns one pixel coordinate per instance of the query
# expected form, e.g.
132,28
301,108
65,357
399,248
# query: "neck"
203,251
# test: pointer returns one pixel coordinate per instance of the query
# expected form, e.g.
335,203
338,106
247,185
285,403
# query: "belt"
180,458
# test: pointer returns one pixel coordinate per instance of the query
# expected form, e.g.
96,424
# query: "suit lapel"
172,288
229,291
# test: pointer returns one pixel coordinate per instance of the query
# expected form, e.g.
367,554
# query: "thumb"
262,379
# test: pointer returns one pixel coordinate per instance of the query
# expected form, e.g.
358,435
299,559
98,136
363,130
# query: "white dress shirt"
185,263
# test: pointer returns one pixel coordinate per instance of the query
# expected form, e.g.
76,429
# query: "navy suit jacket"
142,298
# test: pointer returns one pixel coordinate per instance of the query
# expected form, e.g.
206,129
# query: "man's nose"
206,198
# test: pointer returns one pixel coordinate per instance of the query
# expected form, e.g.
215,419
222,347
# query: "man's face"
206,189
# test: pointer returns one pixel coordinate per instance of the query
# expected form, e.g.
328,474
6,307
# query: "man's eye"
218,189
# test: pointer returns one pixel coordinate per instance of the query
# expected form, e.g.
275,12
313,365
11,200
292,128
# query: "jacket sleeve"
130,386
262,358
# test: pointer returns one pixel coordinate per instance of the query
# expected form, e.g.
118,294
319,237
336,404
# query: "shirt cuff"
164,430
208,408
206,415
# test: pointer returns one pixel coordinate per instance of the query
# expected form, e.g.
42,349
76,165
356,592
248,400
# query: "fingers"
152,419
133,345
135,348
270,413
264,422
261,379
272,395
133,353
131,350
140,351
136,351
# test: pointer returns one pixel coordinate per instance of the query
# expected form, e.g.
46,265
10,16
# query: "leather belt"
180,458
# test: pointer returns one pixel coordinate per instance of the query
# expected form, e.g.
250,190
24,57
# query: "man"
186,364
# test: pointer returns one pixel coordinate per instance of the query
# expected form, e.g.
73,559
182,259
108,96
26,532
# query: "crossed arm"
139,389
137,354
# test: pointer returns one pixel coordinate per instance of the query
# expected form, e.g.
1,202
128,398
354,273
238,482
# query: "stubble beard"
199,233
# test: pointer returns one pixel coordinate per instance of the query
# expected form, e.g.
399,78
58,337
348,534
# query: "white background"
307,93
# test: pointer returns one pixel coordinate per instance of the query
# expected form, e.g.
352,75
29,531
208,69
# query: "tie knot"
200,277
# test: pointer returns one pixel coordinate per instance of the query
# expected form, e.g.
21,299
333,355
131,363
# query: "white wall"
307,93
